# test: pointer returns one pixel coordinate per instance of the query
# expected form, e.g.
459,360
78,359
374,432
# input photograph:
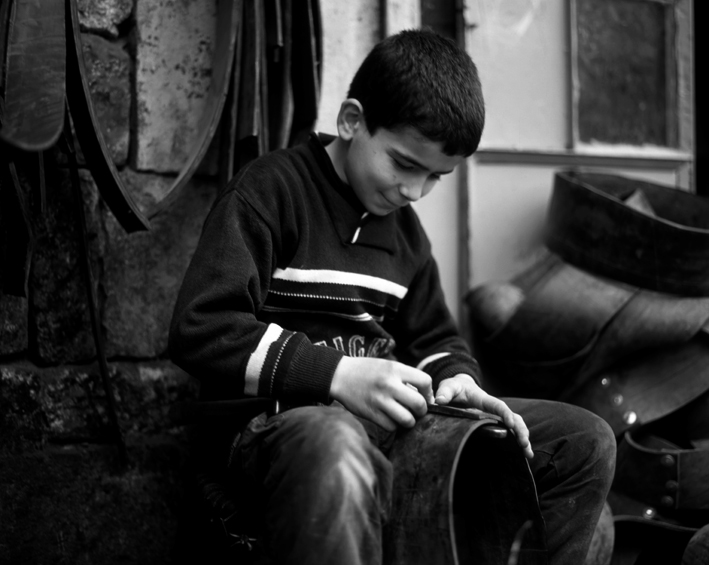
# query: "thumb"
445,393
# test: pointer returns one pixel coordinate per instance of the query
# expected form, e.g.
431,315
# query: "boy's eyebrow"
413,161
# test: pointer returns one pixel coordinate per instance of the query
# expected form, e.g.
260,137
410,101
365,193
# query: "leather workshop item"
631,354
462,492
32,47
89,134
614,317
665,466
660,495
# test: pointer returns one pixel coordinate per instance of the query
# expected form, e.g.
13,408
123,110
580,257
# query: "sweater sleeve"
215,334
426,334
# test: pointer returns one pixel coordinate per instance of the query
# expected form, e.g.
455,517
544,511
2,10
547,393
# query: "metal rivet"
630,417
667,461
667,501
672,486
617,399
649,513
605,382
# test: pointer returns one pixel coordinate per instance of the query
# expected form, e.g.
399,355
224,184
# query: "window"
627,78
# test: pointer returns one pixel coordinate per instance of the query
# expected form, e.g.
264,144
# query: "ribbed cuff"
310,375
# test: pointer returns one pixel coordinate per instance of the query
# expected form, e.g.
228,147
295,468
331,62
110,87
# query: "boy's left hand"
463,391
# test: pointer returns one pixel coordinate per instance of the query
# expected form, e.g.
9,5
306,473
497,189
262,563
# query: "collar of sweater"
354,224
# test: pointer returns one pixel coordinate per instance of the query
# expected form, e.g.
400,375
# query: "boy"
313,283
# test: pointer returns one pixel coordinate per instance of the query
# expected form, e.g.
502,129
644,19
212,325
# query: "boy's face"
392,168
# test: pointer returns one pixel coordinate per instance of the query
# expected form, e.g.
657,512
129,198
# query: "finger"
522,434
422,381
382,420
498,407
446,392
399,414
411,398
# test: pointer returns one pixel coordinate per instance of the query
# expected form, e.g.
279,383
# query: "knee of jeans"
339,452
599,442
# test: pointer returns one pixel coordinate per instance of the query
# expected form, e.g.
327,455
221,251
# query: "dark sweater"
291,273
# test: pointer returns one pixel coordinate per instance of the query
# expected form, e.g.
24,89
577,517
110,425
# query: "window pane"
622,71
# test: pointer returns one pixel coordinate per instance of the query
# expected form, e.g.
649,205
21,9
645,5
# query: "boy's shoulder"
272,179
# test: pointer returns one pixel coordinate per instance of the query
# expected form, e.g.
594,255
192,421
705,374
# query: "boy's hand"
385,392
462,390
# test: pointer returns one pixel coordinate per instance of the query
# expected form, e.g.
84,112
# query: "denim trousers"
328,483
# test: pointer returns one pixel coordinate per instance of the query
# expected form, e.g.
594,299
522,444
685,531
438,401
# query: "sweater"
291,273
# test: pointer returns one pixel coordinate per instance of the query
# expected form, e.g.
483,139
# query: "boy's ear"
350,118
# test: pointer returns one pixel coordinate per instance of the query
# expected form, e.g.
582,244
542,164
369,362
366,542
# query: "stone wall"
66,496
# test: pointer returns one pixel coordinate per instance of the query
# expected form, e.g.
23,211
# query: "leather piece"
91,139
249,126
35,73
662,475
590,226
567,309
230,115
89,134
647,385
585,339
440,487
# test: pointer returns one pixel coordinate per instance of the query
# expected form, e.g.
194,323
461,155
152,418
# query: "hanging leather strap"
88,131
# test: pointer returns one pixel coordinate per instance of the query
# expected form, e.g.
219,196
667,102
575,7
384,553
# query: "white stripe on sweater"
258,358
430,359
340,277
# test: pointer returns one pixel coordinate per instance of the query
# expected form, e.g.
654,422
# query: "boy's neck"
337,150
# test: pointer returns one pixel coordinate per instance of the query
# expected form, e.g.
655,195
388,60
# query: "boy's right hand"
388,393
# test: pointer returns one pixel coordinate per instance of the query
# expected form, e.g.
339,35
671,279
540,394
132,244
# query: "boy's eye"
403,166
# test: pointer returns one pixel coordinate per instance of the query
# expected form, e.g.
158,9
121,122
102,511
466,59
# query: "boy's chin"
381,211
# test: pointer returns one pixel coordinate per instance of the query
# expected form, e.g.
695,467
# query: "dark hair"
420,79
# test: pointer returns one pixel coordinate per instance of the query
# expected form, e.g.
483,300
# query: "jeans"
328,483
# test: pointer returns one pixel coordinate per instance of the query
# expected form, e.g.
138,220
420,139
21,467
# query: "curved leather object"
659,499
624,347
88,131
590,226
661,474
629,354
33,115
89,134
460,496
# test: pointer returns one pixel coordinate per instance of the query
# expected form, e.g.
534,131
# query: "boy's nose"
412,191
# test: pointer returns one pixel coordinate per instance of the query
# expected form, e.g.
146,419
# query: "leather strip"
88,132
306,69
